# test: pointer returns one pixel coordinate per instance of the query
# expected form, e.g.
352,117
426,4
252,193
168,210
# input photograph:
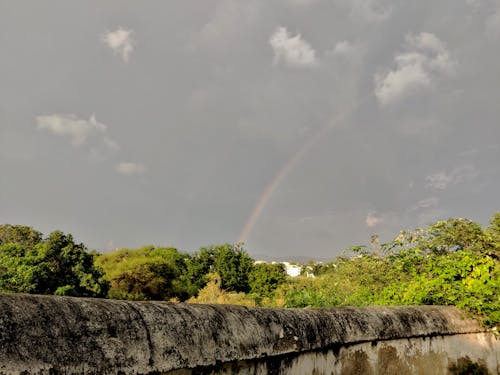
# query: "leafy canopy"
55,265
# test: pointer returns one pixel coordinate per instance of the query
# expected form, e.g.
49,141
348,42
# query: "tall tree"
266,277
233,265
229,261
146,273
56,265
454,235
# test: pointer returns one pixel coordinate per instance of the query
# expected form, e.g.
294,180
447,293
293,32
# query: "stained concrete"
52,335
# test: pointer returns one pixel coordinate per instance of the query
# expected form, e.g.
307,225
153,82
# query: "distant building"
292,269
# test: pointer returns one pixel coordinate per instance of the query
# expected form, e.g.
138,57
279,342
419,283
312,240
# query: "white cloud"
120,41
292,50
130,168
442,180
372,219
70,126
417,69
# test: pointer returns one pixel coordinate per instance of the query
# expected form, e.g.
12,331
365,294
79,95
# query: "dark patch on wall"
465,366
357,363
389,363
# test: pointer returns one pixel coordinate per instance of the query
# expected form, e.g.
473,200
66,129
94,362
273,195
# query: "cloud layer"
378,113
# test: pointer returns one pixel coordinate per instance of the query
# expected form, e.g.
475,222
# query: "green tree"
442,237
233,265
56,265
454,235
147,273
198,266
265,278
229,261
464,279
493,235
17,269
20,235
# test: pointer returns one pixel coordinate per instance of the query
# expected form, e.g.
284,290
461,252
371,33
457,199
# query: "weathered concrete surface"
46,334
421,355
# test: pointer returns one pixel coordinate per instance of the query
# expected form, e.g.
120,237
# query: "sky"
299,127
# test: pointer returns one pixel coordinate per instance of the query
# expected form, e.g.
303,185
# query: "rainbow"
284,171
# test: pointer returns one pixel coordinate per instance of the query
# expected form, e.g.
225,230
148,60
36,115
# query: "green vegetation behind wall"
451,262
54,265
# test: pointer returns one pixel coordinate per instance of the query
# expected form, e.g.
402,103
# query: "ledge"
83,335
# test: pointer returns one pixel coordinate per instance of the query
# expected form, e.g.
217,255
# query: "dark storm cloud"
165,122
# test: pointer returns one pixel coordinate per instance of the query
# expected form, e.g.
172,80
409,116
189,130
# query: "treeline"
150,273
56,264
451,262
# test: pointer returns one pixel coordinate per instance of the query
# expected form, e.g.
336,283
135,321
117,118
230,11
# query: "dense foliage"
55,265
451,262
230,262
147,273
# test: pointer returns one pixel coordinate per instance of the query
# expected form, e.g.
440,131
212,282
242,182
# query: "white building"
292,269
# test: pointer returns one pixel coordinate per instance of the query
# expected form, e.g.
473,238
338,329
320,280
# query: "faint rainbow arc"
281,175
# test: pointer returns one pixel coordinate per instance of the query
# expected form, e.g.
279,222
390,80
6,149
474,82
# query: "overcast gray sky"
298,126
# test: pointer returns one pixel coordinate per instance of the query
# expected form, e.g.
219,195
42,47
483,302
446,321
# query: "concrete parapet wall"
47,334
